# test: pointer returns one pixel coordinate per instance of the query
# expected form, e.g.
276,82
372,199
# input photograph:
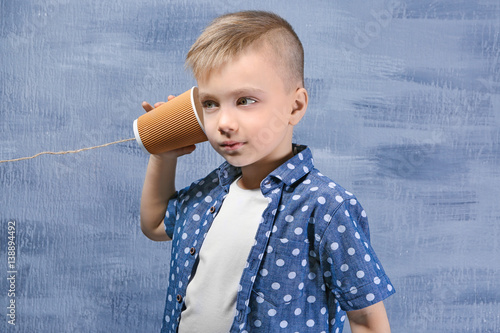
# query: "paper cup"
175,124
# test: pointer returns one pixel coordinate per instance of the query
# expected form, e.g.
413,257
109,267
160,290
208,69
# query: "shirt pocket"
281,277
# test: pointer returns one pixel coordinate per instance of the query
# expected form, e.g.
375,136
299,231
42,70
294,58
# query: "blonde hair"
231,34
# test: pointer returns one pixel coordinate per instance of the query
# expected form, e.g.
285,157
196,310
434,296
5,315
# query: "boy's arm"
159,187
370,319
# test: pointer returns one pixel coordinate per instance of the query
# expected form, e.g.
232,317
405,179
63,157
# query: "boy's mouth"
231,145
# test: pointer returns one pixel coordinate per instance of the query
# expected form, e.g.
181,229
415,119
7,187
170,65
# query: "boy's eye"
209,104
245,101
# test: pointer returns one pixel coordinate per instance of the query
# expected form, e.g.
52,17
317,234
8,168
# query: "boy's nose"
227,121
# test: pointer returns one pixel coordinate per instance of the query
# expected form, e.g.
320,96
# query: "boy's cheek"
211,135
208,127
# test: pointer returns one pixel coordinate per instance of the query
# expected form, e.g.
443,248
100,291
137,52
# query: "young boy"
264,243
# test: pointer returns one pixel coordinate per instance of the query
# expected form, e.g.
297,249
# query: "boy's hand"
172,153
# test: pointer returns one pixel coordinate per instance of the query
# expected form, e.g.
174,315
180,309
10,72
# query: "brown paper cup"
175,124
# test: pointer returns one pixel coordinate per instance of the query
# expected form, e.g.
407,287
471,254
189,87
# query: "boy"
264,243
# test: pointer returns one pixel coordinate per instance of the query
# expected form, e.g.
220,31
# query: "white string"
65,152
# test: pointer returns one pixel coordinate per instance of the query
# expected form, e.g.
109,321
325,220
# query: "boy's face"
248,114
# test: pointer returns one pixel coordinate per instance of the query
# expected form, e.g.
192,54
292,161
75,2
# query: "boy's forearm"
159,186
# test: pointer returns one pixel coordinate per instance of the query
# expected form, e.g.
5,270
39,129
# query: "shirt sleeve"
173,213
350,266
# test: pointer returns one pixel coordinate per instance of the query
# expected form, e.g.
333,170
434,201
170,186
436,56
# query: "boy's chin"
238,161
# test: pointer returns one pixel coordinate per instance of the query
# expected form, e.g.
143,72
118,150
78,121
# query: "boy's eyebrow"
237,92
204,96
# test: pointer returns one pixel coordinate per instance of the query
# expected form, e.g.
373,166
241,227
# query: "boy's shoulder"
317,181
301,177
308,189
324,196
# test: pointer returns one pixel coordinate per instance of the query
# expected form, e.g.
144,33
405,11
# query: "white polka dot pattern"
313,241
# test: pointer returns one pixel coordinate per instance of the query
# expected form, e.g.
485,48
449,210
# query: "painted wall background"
405,112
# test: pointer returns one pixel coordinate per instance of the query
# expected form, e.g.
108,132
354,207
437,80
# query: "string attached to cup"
175,124
65,152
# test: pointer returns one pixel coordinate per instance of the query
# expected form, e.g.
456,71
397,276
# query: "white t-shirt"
211,295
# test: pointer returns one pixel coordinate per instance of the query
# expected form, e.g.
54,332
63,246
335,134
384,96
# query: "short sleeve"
172,215
351,269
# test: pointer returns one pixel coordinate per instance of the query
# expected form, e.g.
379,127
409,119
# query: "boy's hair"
231,34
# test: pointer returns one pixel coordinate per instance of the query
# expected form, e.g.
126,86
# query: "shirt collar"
295,168
289,172
227,174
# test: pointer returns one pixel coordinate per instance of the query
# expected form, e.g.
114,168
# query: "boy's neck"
252,175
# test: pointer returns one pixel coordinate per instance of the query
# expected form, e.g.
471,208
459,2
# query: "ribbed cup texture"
170,126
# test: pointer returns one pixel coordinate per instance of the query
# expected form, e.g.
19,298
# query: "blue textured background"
404,112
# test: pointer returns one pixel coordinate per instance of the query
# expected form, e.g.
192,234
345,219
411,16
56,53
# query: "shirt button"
192,251
179,298
212,209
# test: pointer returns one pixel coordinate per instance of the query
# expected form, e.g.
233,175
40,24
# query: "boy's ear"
299,106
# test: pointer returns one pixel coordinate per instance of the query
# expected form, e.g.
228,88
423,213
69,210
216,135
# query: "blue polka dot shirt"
311,261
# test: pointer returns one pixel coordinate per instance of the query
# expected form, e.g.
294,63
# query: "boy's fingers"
178,152
184,150
189,149
146,106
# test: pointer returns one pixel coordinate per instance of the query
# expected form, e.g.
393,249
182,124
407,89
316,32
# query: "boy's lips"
231,145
